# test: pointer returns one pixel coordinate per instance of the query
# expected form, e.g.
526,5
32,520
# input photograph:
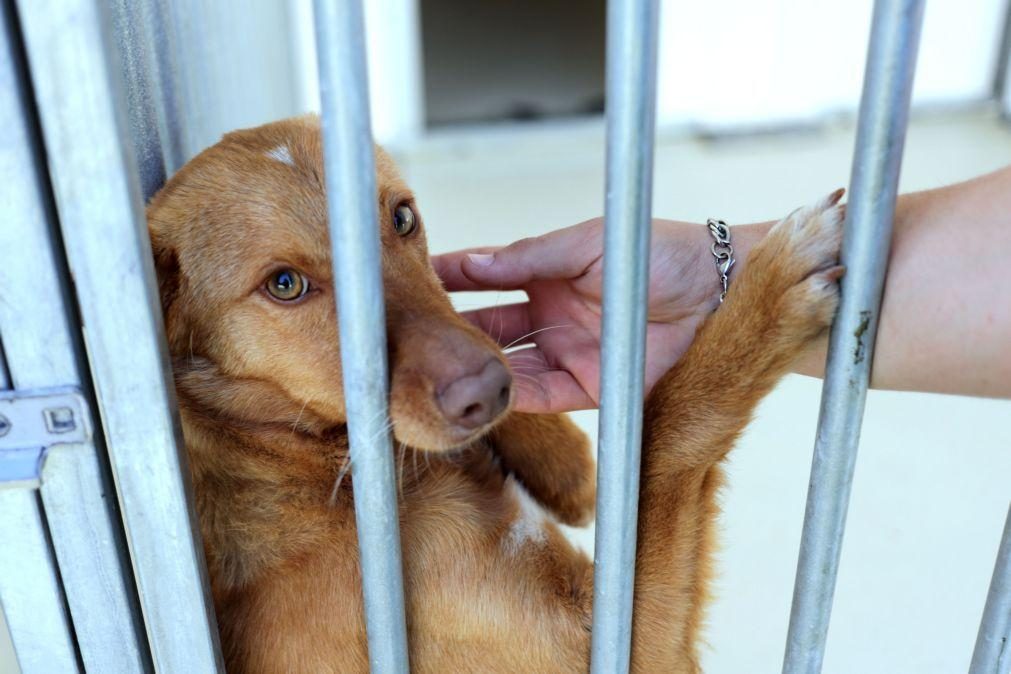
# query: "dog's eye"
287,285
404,220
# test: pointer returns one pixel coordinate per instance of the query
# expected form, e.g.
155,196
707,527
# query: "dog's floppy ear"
166,266
551,457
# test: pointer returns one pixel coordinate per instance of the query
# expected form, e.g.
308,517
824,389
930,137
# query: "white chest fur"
528,525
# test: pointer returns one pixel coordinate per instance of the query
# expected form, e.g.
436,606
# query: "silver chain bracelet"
722,251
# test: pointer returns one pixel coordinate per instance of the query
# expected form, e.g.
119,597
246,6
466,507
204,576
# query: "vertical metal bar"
631,106
31,594
105,236
993,644
204,53
881,132
30,588
354,237
142,45
1002,75
142,100
42,351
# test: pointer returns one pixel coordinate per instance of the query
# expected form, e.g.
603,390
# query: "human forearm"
946,314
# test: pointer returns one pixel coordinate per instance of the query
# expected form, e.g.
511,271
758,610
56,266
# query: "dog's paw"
798,264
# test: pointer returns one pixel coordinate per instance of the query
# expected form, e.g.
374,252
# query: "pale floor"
933,477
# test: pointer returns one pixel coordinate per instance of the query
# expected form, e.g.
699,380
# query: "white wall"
725,64
233,66
393,35
738,63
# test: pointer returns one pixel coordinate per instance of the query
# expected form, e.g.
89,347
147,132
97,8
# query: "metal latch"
33,421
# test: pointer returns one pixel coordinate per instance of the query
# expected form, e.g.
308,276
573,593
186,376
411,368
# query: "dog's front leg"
784,298
551,457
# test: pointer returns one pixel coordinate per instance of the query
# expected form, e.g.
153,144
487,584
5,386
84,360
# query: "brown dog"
241,246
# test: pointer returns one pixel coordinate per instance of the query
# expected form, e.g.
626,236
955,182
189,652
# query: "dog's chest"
528,526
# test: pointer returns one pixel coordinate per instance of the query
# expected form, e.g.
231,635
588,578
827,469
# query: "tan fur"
492,585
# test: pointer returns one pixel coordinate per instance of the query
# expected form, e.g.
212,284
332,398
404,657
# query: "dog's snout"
477,399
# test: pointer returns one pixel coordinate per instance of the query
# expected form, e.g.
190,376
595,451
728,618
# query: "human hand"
559,326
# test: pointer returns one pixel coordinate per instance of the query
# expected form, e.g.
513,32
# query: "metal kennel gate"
101,568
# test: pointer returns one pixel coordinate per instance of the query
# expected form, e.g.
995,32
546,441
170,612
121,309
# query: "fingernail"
481,259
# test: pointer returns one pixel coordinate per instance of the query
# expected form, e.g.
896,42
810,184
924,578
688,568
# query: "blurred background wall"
726,66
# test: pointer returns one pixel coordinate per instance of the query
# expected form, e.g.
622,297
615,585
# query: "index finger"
449,268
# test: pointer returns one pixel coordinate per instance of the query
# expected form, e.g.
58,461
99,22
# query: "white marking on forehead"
282,154
529,523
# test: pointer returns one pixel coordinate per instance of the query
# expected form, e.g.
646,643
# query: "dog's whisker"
522,353
528,362
376,416
400,470
298,418
384,429
340,478
534,332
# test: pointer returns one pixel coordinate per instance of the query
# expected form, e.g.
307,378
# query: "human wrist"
743,238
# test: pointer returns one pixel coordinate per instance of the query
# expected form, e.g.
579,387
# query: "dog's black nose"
476,399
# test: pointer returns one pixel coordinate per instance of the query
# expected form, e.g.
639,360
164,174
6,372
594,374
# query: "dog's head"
243,258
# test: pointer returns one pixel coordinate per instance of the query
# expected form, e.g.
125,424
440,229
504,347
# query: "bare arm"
946,317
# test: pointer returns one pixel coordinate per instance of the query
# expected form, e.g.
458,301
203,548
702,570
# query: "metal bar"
31,594
1001,72
881,132
105,236
993,644
631,106
43,350
30,588
95,568
354,237
139,34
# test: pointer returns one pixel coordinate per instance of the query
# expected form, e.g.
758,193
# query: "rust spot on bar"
859,353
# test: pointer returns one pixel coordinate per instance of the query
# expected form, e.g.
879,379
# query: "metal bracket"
33,421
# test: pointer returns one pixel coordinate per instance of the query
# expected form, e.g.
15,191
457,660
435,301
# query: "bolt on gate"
102,568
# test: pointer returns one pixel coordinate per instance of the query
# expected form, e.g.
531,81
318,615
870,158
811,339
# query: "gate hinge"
33,421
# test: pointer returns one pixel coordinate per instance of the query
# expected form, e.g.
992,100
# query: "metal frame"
881,132
354,237
100,209
70,596
993,643
83,198
631,111
1002,73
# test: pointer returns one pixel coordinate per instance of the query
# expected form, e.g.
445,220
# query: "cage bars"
92,170
631,111
993,643
354,235
881,132
75,571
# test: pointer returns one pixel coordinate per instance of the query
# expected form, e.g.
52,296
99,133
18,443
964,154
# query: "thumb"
562,254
